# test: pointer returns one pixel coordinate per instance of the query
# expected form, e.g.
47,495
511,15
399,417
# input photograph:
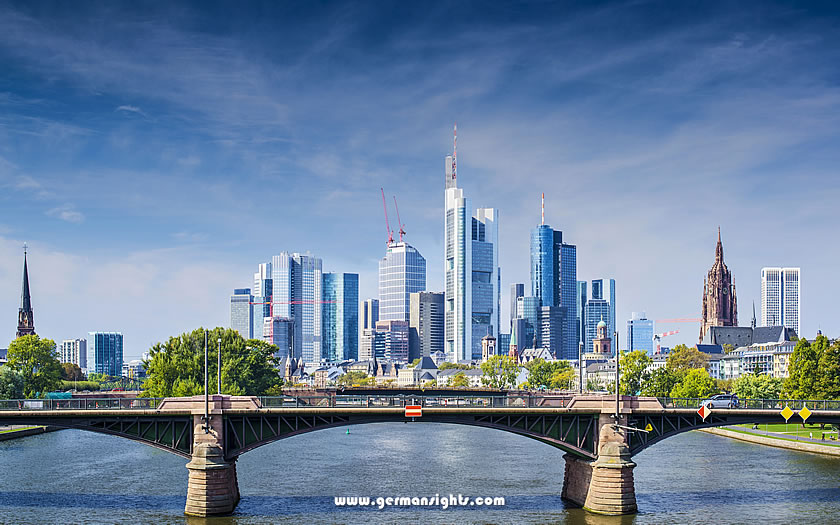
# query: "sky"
153,153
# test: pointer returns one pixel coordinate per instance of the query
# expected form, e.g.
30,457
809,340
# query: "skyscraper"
528,308
74,351
26,319
554,283
471,268
516,291
371,314
401,272
242,312
296,295
105,353
597,310
280,332
719,303
640,333
425,324
580,306
340,316
605,289
395,335
261,302
780,297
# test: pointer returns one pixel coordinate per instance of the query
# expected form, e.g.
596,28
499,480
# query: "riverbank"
776,441
19,432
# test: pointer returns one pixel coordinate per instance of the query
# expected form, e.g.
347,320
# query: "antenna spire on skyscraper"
455,152
542,216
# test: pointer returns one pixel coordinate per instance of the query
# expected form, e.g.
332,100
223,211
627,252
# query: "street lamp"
219,367
206,399
580,366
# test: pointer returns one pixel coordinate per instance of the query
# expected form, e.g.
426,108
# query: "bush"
80,385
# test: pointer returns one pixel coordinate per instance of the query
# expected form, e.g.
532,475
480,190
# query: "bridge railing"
795,404
115,403
431,401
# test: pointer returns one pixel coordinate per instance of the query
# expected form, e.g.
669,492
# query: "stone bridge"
599,448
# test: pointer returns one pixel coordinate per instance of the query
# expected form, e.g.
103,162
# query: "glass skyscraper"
780,297
296,295
401,272
580,307
242,312
105,353
640,333
597,310
340,312
605,289
471,269
528,308
371,314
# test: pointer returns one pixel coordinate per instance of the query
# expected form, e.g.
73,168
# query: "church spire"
719,248
26,322
753,323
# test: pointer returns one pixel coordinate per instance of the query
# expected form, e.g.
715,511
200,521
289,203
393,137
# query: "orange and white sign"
413,411
704,412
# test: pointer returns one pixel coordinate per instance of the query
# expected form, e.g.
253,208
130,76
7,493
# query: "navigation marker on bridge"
804,413
786,413
413,411
704,412
649,427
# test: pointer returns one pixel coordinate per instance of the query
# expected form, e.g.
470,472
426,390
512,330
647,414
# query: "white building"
296,295
401,272
445,377
471,268
780,297
74,351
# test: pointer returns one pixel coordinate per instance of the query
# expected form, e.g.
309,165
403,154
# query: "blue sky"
152,154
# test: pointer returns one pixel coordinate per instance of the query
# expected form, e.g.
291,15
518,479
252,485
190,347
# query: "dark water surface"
80,477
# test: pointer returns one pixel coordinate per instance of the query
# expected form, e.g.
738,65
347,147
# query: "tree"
594,384
549,374
752,386
176,367
413,363
634,372
460,380
828,386
683,358
37,360
446,365
71,372
11,383
499,372
660,383
728,348
356,378
696,383
803,368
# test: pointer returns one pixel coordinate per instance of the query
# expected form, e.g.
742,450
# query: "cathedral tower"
26,321
720,306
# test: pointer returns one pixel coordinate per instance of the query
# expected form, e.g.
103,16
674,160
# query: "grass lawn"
796,429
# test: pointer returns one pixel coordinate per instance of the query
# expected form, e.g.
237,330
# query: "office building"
74,351
580,308
340,312
640,333
105,353
372,345
471,269
297,295
280,332
261,302
371,314
597,310
516,291
242,312
780,297
395,335
401,272
605,289
528,309
551,329
425,324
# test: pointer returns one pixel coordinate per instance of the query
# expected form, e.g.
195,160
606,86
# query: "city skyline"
137,186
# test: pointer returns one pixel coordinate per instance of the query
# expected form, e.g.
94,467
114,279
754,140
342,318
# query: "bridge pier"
603,486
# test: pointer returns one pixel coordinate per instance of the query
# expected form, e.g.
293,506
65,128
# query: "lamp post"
617,374
219,368
206,399
580,366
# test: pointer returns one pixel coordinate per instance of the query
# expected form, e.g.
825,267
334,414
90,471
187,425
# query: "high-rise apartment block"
780,297
297,295
370,314
425,324
640,333
242,312
471,269
401,272
340,312
74,351
105,353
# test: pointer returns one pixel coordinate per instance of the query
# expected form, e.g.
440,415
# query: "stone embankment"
15,433
802,446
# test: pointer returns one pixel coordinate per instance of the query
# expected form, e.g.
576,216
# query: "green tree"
71,372
752,386
696,383
413,363
660,383
683,358
446,365
499,372
804,369
356,378
37,360
11,383
594,384
728,348
634,372
176,367
460,380
828,386
549,374
563,377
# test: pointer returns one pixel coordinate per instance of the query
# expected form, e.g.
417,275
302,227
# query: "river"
81,477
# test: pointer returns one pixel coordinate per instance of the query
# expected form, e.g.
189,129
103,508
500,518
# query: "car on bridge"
721,401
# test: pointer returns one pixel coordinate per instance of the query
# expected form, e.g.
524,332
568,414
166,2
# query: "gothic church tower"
720,306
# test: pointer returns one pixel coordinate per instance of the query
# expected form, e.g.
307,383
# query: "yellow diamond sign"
804,413
787,412
649,427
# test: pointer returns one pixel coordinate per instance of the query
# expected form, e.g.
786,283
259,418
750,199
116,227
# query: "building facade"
425,324
395,339
296,295
719,305
340,312
528,308
242,312
370,314
605,289
580,309
517,290
640,333
597,310
279,331
401,272
74,351
780,297
105,353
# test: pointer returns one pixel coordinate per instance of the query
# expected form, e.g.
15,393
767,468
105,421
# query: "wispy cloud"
131,109
66,213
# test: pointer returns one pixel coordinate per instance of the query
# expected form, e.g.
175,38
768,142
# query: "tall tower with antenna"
26,320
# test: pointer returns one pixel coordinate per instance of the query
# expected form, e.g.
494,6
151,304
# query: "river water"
80,477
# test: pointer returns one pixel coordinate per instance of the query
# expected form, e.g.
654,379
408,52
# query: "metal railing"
755,404
113,403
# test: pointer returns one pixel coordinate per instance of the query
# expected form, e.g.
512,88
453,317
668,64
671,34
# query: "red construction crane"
399,221
387,225
658,337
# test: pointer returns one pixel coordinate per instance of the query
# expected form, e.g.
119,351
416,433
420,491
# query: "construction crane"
387,224
679,320
399,221
658,337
